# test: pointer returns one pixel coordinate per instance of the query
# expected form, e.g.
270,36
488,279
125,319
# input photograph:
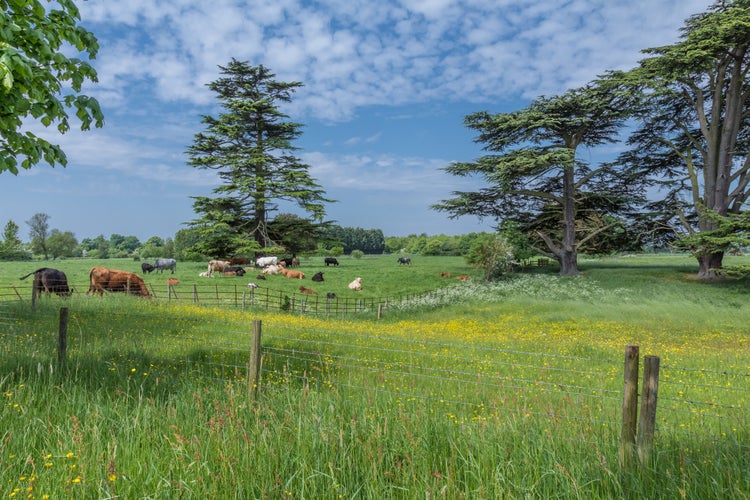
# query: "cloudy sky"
387,85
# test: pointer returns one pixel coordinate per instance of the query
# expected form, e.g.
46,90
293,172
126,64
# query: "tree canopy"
250,145
534,175
694,127
39,79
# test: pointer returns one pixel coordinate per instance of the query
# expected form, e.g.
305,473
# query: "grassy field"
481,391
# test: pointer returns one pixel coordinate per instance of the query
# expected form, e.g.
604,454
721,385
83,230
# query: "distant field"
381,276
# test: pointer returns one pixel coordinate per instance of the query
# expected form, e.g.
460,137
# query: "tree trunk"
568,260
709,264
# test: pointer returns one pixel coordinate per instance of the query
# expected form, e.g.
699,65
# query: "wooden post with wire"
647,422
253,368
629,407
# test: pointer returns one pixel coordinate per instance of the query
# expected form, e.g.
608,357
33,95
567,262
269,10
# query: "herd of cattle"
101,279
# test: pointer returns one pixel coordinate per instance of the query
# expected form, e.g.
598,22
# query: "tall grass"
428,403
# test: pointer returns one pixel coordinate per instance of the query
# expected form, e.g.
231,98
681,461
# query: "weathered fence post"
253,369
62,337
647,422
380,310
195,292
629,407
33,298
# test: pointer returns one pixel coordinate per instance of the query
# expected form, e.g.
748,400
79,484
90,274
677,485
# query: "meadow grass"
505,390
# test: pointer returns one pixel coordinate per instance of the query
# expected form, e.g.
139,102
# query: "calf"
309,291
146,268
237,270
172,281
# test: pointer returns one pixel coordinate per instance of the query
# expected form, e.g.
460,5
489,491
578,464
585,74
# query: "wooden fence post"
253,369
647,422
629,407
62,337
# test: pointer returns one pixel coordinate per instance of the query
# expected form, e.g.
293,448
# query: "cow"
272,269
463,277
162,264
146,268
287,261
216,265
205,274
239,261
266,261
237,270
330,295
102,279
308,291
49,281
331,261
295,262
261,277
318,276
292,274
445,275
252,285
172,281
404,260
356,285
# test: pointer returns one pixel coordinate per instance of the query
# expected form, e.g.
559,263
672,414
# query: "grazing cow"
331,261
237,270
172,281
356,285
445,275
404,260
266,261
330,295
292,274
239,261
308,291
49,281
295,262
318,276
162,264
463,277
272,269
146,268
217,265
112,280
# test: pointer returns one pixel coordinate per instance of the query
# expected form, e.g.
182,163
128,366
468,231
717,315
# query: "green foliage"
357,254
491,254
250,145
38,232
731,230
11,248
295,234
37,62
62,244
370,241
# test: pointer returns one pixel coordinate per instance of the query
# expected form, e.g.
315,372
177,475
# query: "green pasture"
502,390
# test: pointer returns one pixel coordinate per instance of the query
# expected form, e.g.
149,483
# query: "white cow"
272,269
356,285
267,261
217,265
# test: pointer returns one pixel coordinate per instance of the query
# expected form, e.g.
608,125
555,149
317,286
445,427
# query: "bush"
357,254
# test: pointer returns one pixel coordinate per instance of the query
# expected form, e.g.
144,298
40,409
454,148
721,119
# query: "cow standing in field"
217,265
404,260
331,261
146,268
49,281
102,279
162,264
267,261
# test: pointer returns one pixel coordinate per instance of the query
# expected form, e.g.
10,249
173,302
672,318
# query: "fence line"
481,386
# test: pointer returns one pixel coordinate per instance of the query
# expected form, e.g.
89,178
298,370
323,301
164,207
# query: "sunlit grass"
503,391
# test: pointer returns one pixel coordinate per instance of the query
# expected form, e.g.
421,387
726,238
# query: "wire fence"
466,383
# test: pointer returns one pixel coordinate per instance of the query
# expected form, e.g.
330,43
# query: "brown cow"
292,274
307,290
112,280
217,265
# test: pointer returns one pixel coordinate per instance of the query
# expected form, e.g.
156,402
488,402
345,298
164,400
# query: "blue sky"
387,85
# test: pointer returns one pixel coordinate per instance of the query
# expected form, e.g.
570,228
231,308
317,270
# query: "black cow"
404,260
288,261
49,281
318,276
330,295
146,268
331,261
237,270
